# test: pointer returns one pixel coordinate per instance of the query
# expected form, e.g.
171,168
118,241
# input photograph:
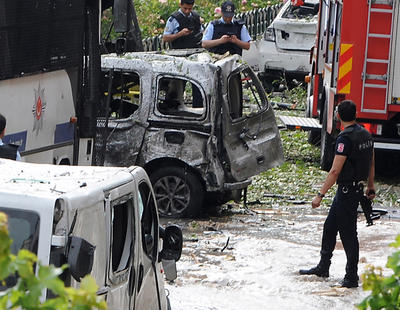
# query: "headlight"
269,35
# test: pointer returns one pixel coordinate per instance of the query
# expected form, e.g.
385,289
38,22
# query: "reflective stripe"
345,69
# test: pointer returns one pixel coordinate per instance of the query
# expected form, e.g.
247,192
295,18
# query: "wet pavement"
250,260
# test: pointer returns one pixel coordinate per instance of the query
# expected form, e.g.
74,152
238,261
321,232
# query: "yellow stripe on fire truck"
345,68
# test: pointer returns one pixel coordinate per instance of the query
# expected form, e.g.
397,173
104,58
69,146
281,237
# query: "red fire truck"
357,57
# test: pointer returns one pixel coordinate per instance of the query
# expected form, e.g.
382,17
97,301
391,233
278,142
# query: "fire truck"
50,73
356,56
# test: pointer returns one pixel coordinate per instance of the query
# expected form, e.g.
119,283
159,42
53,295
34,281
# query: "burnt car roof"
177,58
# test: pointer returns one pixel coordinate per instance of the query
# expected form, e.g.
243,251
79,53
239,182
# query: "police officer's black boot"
349,281
322,269
351,277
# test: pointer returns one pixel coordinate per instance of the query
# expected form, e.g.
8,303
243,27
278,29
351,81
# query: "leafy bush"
385,291
28,290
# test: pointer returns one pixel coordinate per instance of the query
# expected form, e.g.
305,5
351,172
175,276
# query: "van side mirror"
172,243
80,257
171,251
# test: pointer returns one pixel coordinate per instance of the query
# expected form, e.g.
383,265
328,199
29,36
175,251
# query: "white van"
284,50
101,221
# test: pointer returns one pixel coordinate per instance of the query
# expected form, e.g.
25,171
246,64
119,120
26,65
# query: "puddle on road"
251,261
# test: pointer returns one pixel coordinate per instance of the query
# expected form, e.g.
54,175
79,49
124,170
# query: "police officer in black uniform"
183,28
226,34
353,164
8,151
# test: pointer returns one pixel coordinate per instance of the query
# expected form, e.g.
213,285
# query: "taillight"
269,35
374,129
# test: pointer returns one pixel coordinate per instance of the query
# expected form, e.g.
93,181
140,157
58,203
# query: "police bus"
49,69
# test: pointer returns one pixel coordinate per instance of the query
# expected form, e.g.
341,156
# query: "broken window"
148,220
125,93
245,94
122,233
179,97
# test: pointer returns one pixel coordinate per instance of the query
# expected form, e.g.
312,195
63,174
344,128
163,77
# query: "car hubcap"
172,195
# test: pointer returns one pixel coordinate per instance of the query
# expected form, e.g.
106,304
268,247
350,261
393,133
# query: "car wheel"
314,137
179,192
327,150
215,199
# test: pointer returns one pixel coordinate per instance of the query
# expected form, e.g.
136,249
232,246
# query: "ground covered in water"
249,259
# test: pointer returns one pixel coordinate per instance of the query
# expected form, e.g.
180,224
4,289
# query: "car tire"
327,150
215,199
314,137
178,191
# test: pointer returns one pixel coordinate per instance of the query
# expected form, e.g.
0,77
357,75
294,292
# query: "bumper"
237,185
264,55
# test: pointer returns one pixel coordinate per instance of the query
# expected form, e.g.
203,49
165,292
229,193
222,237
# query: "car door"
147,285
121,126
250,133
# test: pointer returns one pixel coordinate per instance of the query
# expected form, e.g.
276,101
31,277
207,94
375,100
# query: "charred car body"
200,127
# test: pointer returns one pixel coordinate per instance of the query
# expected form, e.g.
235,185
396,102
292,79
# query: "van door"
121,235
250,133
148,287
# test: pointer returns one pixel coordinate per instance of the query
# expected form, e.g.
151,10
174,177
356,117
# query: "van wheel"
327,150
179,192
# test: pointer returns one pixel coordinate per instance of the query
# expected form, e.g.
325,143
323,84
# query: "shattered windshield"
308,10
23,229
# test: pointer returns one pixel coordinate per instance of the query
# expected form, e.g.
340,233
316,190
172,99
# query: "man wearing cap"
183,28
8,151
226,35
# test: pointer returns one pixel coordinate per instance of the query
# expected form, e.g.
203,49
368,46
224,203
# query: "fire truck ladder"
372,9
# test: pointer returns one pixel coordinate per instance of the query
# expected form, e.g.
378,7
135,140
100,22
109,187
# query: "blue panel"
64,133
18,138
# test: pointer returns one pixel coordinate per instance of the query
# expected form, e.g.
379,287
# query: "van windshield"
23,227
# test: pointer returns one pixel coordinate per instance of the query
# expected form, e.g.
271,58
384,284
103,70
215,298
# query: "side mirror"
149,243
80,257
120,10
120,44
172,243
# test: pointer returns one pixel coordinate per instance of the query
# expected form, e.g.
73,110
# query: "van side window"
179,97
125,94
245,94
122,234
149,222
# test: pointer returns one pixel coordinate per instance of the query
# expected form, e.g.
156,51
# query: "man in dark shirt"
352,165
8,151
226,34
183,28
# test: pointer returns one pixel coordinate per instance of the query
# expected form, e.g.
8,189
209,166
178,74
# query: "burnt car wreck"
200,127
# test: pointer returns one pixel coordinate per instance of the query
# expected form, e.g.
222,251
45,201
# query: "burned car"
284,50
200,127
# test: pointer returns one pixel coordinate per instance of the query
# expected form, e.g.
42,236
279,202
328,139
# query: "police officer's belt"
353,184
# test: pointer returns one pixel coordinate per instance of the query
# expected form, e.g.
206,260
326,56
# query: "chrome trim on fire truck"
387,146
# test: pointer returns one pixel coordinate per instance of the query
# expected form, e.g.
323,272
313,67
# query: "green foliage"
299,177
153,14
28,290
385,291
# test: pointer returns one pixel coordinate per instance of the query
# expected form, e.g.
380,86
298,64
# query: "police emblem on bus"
39,107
